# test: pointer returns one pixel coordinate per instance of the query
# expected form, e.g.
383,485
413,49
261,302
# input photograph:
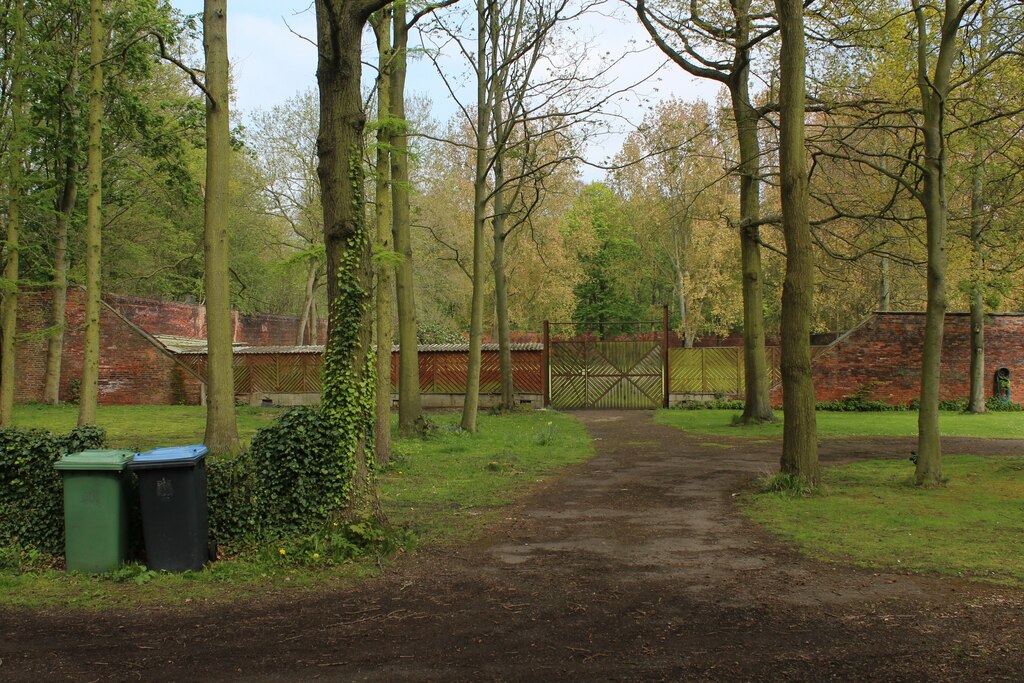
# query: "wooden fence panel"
686,371
441,372
717,370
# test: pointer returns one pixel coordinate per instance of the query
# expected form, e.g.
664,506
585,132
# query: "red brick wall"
132,371
189,320
884,357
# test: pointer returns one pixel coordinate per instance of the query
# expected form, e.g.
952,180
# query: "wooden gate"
586,372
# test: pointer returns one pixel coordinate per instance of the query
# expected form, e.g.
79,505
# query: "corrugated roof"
185,346
176,344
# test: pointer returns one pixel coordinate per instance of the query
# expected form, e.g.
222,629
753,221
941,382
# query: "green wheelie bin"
95,509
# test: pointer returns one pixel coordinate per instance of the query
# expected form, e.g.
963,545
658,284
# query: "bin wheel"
211,551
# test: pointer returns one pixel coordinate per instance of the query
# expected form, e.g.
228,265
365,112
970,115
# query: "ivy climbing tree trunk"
799,435
15,154
93,237
410,406
384,294
221,428
348,384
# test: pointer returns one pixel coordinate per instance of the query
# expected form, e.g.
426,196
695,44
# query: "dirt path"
634,567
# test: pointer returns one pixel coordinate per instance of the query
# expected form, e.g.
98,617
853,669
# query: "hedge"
31,491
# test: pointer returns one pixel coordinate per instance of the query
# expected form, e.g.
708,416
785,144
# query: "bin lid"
114,460
174,456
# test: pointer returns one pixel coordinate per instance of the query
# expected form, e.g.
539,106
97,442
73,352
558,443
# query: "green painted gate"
606,374
626,372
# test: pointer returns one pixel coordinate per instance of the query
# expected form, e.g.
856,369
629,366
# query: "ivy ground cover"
440,490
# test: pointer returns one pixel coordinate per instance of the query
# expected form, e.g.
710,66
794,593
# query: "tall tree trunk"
15,154
736,77
934,90
384,219
314,316
501,296
976,400
94,220
503,333
409,405
799,435
757,402
976,403
221,428
884,285
304,331
679,256
348,389
483,121
58,303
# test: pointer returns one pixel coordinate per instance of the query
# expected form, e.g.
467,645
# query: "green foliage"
349,377
716,404
783,483
133,573
996,404
857,403
442,488
957,405
290,482
231,495
434,332
606,293
339,542
546,436
300,481
31,493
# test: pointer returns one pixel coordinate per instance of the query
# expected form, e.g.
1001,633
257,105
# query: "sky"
273,58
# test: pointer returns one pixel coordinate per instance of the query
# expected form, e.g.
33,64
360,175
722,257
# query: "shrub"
231,498
856,403
31,492
996,404
957,405
716,404
289,483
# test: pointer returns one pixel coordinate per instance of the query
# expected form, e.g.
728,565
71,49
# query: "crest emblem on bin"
164,489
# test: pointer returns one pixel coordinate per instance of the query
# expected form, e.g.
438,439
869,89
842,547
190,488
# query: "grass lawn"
444,488
837,424
870,514
142,427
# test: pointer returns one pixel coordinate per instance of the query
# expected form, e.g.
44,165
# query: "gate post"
664,357
545,357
